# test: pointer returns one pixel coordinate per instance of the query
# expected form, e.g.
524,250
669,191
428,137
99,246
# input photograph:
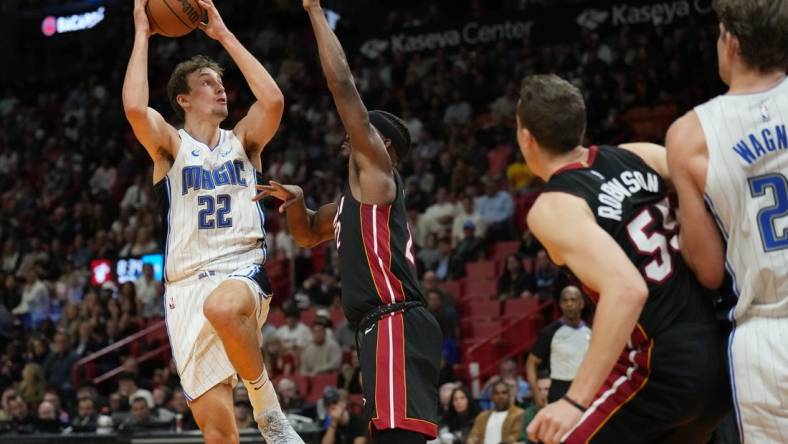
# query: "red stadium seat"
301,382
480,289
491,309
318,383
502,250
480,270
520,306
454,288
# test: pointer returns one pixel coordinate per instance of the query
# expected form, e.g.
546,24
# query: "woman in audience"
515,282
458,420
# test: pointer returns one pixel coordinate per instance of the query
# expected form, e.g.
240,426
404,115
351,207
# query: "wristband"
576,404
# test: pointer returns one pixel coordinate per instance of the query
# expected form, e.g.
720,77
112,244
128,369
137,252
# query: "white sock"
261,393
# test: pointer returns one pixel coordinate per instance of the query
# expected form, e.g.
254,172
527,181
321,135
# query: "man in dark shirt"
341,426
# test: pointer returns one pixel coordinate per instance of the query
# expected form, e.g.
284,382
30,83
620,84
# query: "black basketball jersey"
376,260
630,202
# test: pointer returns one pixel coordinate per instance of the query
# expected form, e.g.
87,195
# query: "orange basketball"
174,18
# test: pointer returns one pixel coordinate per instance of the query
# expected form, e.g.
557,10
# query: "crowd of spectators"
75,186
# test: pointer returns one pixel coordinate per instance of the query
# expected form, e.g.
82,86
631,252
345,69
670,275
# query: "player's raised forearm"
332,57
135,84
263,86
300,224
614,320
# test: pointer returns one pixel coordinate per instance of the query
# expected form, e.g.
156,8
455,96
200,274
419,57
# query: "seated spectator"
529,246
515,282
349,378
507,373
141,419
161,396
467,213
500,424
456,423
289,398
277,361
87,416
345,336
59,362
518,173
429,281
136,196
53,398
47,421
340,425
496,207
440,214
243,416
542,388
21,420
33,384
294,334
428,255
149,292
144,243
547,276
179,405
469,249
323,355
443,269
447,318
562,346
127,387
444,396
34,304
459,111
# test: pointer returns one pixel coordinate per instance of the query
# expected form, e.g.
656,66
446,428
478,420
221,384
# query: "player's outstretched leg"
232,311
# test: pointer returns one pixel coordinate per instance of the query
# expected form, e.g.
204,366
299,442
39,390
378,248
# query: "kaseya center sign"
463,34
657,13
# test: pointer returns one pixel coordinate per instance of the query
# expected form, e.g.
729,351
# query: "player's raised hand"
214,27
309,4
289,194
141,23
553,421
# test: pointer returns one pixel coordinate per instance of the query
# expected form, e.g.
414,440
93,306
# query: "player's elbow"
634,293
711,277
134,111
276,102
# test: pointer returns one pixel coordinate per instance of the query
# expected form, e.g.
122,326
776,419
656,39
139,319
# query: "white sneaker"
276,429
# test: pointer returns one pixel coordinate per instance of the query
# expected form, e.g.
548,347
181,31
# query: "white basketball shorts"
198,351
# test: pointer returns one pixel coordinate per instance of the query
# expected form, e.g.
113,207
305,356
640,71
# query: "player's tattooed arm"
598,261
700,240
368,149
308,228
262,120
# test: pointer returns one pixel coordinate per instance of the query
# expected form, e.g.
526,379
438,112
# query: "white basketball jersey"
206,204
747,190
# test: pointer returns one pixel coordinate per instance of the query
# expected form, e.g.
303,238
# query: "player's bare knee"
220,312
225,309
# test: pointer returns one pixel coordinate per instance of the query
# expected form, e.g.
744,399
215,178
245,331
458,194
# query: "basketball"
174,18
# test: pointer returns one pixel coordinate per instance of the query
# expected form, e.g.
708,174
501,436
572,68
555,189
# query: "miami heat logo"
171,303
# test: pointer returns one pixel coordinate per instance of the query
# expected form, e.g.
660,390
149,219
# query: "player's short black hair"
394,129
554,111
761,26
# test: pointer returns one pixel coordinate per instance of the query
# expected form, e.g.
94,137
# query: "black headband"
389,130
